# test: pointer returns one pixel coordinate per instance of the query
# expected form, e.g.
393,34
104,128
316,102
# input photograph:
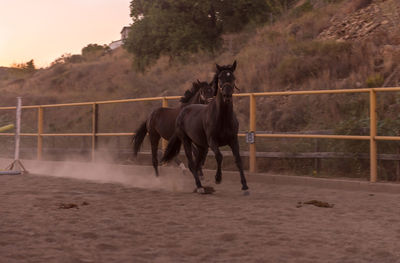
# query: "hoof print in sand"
67,206
315,203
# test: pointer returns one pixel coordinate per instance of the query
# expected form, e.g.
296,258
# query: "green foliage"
375,81
177,28
93,51
28,67
359,124
278,7
304,8
68,58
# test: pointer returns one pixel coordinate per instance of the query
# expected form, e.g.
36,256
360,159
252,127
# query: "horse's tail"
173,148
138,138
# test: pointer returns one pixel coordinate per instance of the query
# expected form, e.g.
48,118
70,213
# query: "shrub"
304,8
310,58
93,51
375,81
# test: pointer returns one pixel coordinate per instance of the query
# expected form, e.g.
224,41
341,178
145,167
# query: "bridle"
203,98
226,83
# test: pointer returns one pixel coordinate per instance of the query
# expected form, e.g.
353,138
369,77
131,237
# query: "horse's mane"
214,82
190,93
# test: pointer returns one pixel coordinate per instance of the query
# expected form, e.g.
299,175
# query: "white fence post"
17,129
16,166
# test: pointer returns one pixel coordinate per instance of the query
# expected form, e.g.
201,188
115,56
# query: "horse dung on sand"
213,125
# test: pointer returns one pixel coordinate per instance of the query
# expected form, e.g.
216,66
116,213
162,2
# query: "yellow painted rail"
6,127
372,138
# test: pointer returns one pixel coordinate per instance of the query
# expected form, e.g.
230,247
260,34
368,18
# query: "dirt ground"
60,219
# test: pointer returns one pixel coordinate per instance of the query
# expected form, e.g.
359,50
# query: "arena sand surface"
123,217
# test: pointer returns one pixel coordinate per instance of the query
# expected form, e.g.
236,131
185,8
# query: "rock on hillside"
376,19
376,23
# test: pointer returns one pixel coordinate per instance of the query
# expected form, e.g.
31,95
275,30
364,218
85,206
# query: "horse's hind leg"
238,160
154,140
187,144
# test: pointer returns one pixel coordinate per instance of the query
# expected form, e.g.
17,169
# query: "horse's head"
225,81
206,92
201,93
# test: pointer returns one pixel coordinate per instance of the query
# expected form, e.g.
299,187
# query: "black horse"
161,122
211,125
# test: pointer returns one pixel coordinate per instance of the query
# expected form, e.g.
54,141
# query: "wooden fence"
372,137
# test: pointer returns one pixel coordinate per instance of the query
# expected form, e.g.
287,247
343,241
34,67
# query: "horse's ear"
198,81
194,84
218,67
234,66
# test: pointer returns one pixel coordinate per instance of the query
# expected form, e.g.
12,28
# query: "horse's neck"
193,100
224,110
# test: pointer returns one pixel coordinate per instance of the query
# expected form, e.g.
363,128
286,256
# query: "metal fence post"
373,132
95,111
17,128
252,156
163,141
39,135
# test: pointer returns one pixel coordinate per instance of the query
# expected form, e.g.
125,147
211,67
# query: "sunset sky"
43,30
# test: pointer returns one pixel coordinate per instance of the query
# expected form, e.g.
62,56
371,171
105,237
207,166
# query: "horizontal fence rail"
252,153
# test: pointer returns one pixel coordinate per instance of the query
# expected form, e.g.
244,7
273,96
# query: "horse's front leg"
238,160
218,158
200,154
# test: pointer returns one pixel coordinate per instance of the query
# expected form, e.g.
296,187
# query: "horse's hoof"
204,190
246,192
245,187
209,189
218,180
200,190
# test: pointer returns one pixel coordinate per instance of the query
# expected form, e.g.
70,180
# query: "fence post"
252,156
373,131
163,141
17,128
39,135
95,111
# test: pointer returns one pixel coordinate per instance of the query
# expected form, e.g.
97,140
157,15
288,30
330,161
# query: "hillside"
314,45
328,38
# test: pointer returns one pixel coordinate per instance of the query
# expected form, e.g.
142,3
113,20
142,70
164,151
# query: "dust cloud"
100,171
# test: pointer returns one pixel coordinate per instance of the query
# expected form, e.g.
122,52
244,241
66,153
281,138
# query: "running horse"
209,126
161,122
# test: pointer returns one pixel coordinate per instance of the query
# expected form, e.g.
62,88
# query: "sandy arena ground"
122,217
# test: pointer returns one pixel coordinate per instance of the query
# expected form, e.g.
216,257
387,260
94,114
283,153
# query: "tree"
28,67
178,27
93,51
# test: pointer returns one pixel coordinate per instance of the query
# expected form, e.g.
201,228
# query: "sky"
43,30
